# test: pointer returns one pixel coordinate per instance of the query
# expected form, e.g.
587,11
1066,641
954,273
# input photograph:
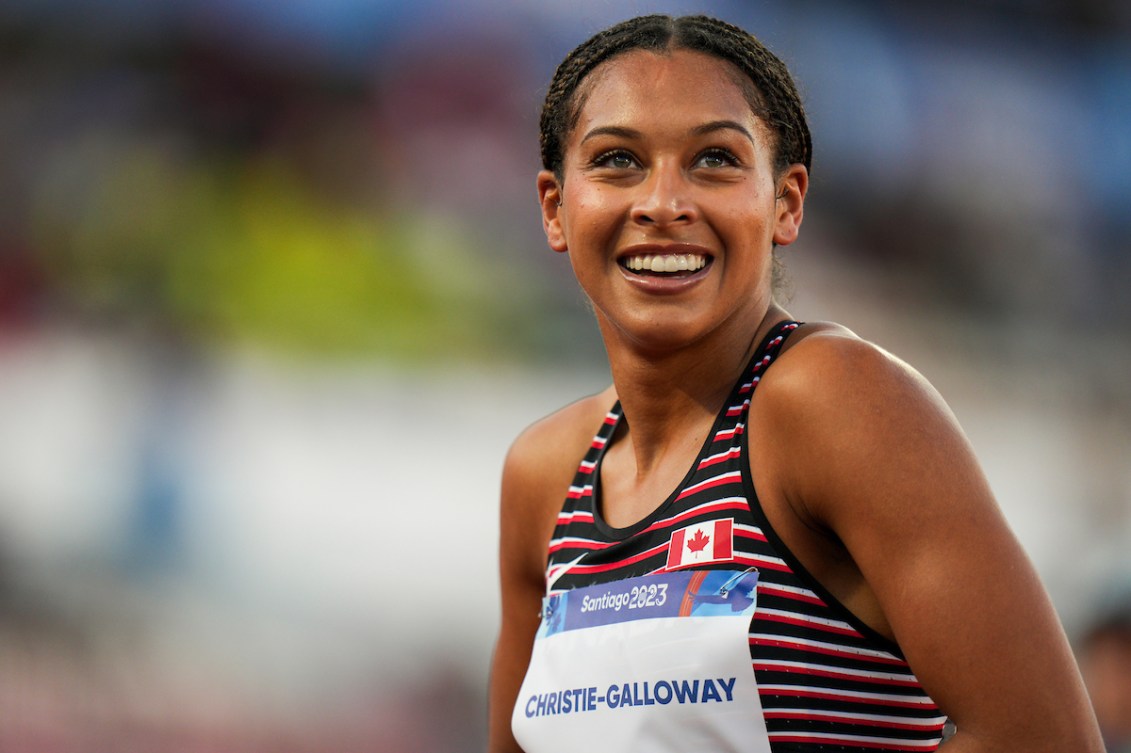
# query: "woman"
752,491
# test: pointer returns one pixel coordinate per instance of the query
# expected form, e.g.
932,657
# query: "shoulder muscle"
536,475
868,450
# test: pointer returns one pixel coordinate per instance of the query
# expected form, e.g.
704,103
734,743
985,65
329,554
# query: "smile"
665,263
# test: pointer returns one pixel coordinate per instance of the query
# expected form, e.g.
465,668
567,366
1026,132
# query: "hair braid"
772,95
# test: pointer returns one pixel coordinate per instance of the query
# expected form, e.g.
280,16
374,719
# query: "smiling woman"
668,161
757,538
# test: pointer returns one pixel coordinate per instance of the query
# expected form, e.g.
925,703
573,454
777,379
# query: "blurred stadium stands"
274,299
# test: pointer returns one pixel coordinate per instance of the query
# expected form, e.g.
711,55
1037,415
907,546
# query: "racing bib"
654,664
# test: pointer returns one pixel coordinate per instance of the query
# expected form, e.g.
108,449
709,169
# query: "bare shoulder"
830,375
552,446
846,416
539,467
835,360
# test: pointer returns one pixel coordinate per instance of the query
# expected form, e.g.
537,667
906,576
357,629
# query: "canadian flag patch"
702,544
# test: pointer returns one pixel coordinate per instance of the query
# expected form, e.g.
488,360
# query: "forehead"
677,86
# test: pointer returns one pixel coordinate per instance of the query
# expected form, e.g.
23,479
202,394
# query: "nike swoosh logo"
558,572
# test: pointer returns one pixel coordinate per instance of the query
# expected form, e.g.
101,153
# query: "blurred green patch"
248,253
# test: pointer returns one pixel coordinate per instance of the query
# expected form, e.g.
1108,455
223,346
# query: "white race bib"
654,664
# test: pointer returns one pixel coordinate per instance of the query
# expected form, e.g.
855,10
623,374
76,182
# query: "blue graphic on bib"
683,593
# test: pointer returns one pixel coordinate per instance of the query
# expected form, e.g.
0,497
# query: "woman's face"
668,204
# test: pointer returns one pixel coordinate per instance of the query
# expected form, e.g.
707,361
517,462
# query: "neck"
667,396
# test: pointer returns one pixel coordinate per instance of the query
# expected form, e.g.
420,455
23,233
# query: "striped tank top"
826,681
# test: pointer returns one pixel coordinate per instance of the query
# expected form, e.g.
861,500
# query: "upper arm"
876,457
536,476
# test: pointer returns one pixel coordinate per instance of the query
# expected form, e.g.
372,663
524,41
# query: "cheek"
589,199
747,222
590,215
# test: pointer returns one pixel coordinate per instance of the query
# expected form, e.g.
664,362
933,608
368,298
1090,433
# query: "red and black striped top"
826,681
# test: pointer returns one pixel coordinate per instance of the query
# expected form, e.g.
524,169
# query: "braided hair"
771,93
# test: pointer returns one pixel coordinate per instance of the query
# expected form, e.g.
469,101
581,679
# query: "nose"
664,198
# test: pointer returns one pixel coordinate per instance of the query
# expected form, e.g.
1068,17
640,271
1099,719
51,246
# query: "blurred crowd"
371,162
352,183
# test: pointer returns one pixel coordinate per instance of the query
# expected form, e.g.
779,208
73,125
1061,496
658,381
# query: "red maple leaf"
698,542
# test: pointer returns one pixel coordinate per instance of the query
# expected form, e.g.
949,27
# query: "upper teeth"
666,262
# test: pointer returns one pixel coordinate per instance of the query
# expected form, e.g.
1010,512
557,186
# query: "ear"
550,197
790,204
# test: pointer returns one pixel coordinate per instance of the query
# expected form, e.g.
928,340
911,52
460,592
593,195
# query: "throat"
631,487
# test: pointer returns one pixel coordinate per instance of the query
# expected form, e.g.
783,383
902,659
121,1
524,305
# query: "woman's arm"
536,477
870,454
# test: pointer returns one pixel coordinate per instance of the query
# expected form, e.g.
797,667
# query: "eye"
716,158
617,159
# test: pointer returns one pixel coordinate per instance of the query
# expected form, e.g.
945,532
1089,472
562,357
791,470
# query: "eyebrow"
624,133
700,130
719,125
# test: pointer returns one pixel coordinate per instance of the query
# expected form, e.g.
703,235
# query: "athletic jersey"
826,681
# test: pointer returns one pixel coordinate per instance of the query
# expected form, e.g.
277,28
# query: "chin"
659,336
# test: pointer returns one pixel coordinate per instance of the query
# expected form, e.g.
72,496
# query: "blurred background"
274,300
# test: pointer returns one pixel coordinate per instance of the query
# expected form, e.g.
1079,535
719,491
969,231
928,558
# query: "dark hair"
774,97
